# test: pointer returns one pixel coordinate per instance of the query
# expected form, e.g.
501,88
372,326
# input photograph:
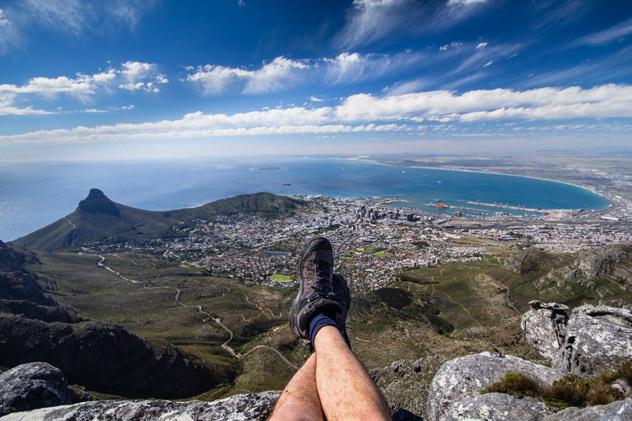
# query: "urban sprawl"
374,240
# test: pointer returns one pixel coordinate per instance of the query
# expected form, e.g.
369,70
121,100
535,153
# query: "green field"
280,277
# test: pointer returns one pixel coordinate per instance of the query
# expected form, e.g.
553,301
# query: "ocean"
35,194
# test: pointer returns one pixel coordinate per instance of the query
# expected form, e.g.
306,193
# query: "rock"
255,406
532,259
31,386
544,327
45,313
614,262
404,383
616,411
598,338
497,407
106,358
464,377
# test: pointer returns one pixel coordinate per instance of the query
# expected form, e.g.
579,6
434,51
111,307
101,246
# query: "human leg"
319,314
299,400
346,391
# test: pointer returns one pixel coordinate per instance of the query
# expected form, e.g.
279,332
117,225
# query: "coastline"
588,188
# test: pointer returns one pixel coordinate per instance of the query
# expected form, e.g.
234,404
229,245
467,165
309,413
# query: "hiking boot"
341,290
315,292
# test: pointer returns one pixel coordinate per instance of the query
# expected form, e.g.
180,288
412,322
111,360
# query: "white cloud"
283,73
442,110
132,72
130,76
465,2
7,106
9,35
371,20
279,74
77,16
141,76
611,34
73,17
488,63
4,20
495,104
453,44
481,45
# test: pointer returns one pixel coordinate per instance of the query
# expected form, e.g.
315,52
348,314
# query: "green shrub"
569,390
515,384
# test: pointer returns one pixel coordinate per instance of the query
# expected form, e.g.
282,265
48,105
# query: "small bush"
625,372
569,390
602,393
515,384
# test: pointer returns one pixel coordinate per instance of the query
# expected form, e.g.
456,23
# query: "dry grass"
569,390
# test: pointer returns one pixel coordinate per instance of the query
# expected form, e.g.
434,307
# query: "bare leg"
346,391
299,400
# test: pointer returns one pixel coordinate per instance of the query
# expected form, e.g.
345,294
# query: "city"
375,241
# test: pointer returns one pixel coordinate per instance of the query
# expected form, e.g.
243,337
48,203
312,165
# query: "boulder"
31,386
544,327
497,407
464,377
254,406
616,411
598,338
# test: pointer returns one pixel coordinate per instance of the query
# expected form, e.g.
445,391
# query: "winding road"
225,345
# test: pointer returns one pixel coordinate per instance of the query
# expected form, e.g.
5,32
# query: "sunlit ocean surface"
33,195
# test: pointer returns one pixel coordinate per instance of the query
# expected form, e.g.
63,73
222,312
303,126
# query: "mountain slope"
99,218
100,356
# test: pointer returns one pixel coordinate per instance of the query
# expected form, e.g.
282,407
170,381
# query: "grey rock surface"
32,385
616,411
614,262
498,407
404,383
598,338
544,327
256,406
464,377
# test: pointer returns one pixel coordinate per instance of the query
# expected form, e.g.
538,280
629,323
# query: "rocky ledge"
588,341
585,342
35,385
255,406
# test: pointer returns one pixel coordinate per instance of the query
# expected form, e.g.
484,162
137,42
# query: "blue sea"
33,195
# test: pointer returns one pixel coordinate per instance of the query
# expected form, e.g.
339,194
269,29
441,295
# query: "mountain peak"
98,202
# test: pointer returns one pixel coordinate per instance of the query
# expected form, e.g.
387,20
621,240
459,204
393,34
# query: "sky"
132,79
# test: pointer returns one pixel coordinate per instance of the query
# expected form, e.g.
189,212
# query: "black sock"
319,321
